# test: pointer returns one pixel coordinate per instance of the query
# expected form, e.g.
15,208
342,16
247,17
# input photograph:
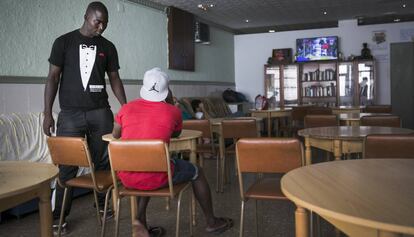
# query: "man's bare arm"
51,87
117,86
116,132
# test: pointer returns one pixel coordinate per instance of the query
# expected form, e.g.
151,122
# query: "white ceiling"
284,14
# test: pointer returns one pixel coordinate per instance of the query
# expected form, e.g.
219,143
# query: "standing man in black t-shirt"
78,62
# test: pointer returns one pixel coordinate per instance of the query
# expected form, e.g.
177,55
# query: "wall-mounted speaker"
201,33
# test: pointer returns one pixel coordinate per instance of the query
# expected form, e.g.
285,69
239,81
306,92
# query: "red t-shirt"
147,120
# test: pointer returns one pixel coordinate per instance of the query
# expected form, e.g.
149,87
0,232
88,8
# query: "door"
402,82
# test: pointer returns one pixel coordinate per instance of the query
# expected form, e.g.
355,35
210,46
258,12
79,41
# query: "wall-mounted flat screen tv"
317,48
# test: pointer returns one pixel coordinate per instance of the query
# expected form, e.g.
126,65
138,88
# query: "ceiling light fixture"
397,20
272,31
403,6
205,7
325,12
247,20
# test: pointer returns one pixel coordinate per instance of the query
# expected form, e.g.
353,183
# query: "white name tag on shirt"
95,88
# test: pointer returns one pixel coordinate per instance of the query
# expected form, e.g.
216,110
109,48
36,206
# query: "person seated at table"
184,114
152,118
199,109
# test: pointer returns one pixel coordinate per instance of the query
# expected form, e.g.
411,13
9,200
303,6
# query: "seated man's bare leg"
203,195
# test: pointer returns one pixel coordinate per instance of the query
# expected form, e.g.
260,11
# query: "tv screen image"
317,48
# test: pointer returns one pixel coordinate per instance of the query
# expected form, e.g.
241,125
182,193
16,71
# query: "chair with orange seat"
378,109
235,129
204,126
265,155
74,151
381,120
388,146
312,121
319,110
143,156
297,119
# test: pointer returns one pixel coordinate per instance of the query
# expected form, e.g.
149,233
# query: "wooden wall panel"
180,39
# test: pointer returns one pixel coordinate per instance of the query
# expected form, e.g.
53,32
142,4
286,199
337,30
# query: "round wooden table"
353,119
368,197
22,181
271,113
342,139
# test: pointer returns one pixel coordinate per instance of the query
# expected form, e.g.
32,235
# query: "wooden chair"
388,146
297,119
378,109
204,126
74,151
318,110
265,155
381,120
312,121
143,156
235,129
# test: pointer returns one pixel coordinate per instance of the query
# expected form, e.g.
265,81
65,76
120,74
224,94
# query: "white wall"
28,29
252,51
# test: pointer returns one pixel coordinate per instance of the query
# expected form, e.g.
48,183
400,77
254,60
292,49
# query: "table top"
358,116
20,176
217,121
375,193
186,134
278,109
349,107
350,132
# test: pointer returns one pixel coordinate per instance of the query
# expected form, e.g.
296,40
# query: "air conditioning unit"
201,33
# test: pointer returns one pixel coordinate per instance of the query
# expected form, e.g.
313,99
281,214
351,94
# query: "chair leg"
191,212
118,206
177,222
256,218
223,173
62,212
241,219
95,196
218,160
105,211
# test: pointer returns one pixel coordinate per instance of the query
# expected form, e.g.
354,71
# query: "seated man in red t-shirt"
152,118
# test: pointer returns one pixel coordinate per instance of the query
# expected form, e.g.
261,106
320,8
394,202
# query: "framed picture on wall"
282,56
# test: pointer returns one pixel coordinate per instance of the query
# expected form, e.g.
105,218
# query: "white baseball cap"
155,85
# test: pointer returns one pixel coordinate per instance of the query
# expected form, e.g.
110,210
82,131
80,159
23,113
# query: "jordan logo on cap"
153,88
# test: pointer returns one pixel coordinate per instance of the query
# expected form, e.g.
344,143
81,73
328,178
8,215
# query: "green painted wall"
29,27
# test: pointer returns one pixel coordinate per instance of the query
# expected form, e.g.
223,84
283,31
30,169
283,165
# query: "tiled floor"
275,218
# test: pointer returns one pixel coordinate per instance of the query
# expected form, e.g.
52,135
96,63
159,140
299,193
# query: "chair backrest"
312,121
69,151
318,110
381,120
389,146
202,125
139,156
239,128
299,112
378,109
268,155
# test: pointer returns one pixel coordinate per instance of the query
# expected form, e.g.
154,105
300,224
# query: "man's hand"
48,124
